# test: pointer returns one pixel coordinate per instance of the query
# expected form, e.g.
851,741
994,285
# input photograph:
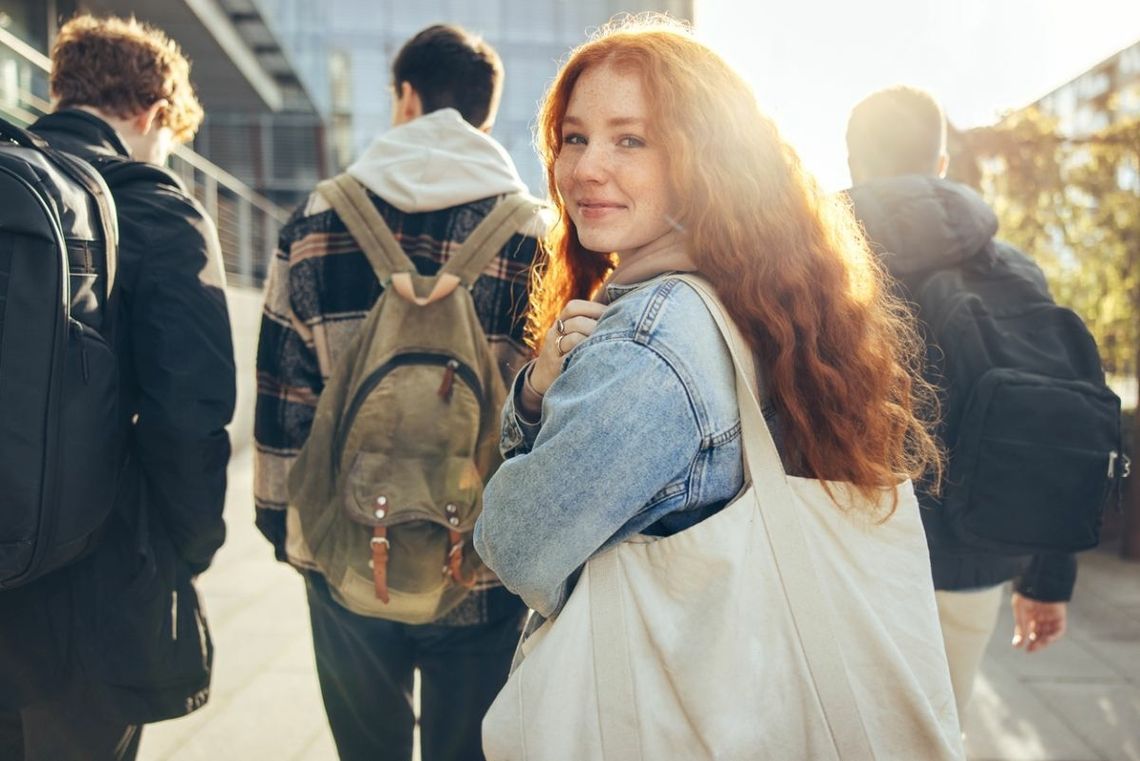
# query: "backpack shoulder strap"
89,175
490,235
20,136
350,201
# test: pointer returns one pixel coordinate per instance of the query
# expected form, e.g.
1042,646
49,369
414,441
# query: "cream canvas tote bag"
783,627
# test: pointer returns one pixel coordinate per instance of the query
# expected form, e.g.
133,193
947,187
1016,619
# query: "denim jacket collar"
611,292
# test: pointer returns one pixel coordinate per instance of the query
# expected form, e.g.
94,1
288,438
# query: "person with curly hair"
625,432
91,652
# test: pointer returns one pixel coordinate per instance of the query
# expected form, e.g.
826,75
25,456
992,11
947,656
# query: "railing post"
9,83
245,241
210,195
271,227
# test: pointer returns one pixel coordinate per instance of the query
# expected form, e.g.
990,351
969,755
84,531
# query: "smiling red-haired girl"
710,578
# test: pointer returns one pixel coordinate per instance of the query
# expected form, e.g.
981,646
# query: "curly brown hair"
123,66
840,353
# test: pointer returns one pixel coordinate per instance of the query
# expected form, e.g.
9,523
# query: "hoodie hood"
917,223
435,162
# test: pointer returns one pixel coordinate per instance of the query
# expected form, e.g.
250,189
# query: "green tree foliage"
1074,206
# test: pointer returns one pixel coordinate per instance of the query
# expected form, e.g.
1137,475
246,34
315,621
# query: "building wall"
280,155
34,21
363,36
1098,98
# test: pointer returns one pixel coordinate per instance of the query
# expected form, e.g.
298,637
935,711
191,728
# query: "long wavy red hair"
839,353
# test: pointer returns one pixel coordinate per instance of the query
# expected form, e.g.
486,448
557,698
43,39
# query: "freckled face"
611,173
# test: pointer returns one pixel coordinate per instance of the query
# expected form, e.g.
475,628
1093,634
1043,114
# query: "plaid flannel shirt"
320,288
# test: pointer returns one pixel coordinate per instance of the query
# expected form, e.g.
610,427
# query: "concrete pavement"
1079,700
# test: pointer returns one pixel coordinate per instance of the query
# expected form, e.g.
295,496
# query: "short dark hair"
899,130
450,68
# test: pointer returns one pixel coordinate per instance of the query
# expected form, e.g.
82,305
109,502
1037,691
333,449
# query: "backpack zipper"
83,364
444,391
460,370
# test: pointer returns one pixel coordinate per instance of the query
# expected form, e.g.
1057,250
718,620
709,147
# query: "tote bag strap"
613,661
812,615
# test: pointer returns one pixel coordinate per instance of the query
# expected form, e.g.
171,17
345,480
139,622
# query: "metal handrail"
22,48
199,162
236,186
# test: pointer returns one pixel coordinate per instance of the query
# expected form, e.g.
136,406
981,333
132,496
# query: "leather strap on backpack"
380,552
380,548
454,567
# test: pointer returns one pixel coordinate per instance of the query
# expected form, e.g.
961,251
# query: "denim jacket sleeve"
518,433
618,429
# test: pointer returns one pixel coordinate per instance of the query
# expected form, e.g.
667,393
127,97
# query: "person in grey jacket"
921,222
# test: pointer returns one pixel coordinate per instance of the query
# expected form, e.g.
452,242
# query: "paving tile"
1106,717
1105,575
239,659
230,588
297,656
272,718
1006,720
1123,656
160,741
320,749
1068,659
1094,618
280,610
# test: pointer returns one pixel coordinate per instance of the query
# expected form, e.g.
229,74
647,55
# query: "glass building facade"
343,53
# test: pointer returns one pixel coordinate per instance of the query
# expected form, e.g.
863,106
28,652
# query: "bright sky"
810,61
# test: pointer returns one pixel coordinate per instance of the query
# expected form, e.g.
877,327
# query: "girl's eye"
573,139
629,141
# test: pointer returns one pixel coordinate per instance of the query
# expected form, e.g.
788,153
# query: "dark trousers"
66,729
365,667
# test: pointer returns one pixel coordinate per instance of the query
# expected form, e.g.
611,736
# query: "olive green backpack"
384,494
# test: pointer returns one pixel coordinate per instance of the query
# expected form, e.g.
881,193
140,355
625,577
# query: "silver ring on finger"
558,345
560,327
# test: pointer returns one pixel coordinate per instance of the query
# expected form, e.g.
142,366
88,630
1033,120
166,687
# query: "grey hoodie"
435,162
919,224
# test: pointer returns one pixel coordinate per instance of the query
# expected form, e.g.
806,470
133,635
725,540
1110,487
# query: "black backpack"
1032,431
61,431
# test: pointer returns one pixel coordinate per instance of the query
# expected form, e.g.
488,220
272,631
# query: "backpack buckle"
454,567
379,562
1119,465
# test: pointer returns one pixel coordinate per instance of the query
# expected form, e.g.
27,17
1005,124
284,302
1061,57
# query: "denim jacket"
639,434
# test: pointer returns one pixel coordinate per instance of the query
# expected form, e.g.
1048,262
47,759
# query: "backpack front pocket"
1035,465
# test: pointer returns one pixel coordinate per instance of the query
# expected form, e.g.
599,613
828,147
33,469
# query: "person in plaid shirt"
433,177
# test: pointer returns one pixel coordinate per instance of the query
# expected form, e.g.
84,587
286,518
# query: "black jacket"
124,625
917,225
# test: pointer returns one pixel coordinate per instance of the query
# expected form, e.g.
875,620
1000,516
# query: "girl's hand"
575,324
